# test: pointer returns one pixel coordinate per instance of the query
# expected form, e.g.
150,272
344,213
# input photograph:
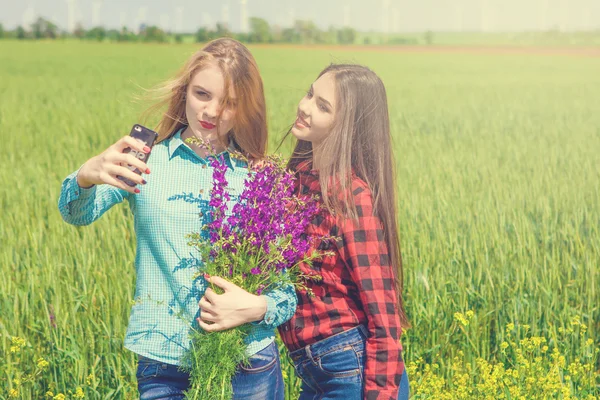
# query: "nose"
212,109
303,107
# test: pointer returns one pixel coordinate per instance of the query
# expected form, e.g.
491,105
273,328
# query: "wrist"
82,181
259,309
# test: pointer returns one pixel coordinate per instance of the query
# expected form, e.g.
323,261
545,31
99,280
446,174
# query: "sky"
391,16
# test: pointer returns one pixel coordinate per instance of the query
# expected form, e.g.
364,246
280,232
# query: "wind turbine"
71,4
244,16
96,5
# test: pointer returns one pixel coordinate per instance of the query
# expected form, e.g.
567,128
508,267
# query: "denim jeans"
261,380
333,368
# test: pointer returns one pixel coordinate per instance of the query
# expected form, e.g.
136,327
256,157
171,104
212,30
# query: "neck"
217,146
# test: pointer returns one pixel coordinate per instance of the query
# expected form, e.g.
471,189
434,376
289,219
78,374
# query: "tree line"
260,31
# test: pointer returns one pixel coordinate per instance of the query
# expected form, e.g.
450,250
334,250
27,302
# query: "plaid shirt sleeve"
281,305
364,251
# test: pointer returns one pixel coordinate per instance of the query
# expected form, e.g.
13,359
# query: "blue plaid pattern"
170,206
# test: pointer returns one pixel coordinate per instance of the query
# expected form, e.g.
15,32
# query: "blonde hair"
249,132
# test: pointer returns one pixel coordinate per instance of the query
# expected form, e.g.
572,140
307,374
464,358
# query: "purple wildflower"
265,233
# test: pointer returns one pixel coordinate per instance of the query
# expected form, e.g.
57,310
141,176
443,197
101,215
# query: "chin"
299,134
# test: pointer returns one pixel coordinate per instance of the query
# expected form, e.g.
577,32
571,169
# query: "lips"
301,123
207,125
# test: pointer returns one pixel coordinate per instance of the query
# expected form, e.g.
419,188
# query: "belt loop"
309,353
364,330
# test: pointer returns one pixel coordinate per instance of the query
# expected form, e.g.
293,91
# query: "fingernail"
146,149
137,190
147,170
206,276
143,182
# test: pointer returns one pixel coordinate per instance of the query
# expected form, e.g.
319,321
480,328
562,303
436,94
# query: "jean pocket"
147,370
341,362
262,361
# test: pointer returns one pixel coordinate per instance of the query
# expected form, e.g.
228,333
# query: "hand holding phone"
122,163
145,136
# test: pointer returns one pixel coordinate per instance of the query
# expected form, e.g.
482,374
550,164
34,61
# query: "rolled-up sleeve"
281,305
82,206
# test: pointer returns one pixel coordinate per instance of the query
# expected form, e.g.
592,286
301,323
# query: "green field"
498,170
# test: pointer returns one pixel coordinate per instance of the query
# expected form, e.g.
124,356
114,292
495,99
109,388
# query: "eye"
309,94
323,108
201,93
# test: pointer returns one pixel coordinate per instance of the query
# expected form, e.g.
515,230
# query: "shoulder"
362,196
360,189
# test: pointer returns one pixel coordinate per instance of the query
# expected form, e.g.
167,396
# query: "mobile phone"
146,136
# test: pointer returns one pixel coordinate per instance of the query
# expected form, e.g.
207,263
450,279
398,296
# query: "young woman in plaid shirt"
344,338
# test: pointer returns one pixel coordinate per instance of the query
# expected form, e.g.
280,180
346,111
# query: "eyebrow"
201,88
320,98
209,92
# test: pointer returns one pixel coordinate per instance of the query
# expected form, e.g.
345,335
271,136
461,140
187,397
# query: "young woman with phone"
170,194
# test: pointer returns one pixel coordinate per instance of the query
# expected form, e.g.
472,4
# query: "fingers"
222,283
208,317
210,295
204,305
210,327
117,170
129,159
128,141
115,156
113,181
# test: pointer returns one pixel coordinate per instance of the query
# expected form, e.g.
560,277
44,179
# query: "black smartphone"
146,136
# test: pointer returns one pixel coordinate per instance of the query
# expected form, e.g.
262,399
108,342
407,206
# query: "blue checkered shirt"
167,208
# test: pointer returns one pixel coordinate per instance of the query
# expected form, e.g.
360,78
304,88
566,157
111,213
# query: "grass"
497,165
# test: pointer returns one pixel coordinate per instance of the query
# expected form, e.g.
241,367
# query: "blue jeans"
261,380
333,368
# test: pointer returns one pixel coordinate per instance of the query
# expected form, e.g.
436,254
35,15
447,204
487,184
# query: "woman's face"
204,99
316,111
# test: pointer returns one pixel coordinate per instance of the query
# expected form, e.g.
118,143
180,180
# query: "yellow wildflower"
42,364
79,393
17,344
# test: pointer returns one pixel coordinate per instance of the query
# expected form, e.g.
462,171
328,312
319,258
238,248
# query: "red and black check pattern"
357,288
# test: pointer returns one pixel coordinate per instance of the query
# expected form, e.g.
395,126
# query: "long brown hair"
360,141
238,66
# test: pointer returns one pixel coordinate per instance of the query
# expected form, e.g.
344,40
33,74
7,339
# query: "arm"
81,201
236,306
82,206
364,251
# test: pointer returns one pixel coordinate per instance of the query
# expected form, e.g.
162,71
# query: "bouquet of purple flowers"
258,247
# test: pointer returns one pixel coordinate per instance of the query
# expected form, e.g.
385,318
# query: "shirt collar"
306,167
177,143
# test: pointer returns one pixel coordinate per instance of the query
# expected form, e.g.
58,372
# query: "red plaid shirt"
357,288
